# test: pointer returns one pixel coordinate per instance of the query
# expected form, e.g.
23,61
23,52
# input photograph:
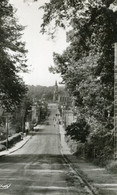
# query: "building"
55,95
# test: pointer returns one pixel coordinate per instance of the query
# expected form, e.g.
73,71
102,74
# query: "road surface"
39,167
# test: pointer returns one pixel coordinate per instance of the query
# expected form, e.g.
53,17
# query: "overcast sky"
40,46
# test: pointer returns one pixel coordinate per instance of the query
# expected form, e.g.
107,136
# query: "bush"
12,140
2,147
80,150
79,130
112,167
99,146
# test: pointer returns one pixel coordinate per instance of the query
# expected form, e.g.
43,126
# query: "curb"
20,146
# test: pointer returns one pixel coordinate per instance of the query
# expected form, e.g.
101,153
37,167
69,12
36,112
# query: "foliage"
2,147
37,92
20,115
12,140
12,57
112,167
78,131
99,146
87,64
80,152
89,60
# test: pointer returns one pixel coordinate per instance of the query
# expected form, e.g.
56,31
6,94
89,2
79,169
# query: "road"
39,167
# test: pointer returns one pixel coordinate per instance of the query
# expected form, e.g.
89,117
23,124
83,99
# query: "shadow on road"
24,158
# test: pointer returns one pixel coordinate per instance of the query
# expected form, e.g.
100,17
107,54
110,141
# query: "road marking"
5,186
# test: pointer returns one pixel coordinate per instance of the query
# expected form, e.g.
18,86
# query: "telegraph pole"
115,102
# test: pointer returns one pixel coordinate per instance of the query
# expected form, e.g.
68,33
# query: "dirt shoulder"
101,181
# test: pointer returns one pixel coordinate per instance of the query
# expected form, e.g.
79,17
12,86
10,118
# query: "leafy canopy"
12,57
87,64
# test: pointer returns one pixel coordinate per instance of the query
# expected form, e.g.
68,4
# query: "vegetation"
12,58
87,64
20,115
39,92
78,131
12,61
11,141
112,167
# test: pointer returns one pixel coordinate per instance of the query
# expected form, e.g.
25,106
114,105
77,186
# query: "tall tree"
89,60
12,57
87,64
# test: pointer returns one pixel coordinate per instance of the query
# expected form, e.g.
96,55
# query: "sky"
40,47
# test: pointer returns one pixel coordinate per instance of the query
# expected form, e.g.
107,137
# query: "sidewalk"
100,180
21,143
17,146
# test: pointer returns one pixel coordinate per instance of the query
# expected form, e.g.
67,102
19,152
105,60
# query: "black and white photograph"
58,97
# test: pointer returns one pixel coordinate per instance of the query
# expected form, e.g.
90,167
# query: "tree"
87,64
90,56
78,131
12,58
21,114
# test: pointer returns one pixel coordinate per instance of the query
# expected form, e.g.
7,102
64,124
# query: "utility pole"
115,102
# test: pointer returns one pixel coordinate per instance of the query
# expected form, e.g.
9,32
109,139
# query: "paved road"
38,167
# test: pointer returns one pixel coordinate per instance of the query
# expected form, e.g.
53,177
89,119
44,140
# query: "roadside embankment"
15,145
11,141
100,179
